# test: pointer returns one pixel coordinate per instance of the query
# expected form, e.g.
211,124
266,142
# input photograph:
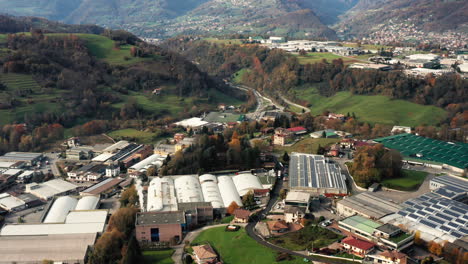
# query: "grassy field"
220,97
314,57
373,108
238,247
237,77
224,41
3,38
131,134
410,181
306,238
103,48
158,257
307,145
37,102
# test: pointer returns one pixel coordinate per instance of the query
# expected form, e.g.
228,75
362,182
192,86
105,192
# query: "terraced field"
35,101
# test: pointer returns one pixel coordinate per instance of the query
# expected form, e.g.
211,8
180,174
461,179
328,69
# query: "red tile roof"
277,225
361,244
297,129
241,213
261,191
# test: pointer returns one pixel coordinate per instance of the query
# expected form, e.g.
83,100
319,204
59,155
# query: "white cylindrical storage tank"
246,182
210,189
228,191
188,189
161,195
60,209
87,203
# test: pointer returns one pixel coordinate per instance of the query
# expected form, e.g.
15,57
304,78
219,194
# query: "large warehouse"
49,189
68,248
29,158
367,205
451,155
164,194
211,193
436,217
316,174
161,195
246,182
188,189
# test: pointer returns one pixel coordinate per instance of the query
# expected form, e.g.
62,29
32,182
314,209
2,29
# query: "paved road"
250,228
306,110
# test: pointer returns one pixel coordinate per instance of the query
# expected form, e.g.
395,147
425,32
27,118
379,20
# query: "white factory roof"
463,67
87,203
26,174
60,209
119,145
423,57
12,172
151,160
246,182
6,164
50,188
91,216
210,189
298,197
192,122
188,189
161,195
228,191
51,229
9,202
35,249
103,157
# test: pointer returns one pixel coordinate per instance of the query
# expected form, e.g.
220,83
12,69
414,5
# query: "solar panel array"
314,171
439,213
454,154
456,182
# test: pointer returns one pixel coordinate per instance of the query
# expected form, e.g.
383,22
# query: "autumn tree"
129,197
435,248
107,248
248,199
123,220
232,206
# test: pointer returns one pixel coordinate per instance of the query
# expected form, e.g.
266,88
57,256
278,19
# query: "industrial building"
11,203
316,174
210,189
154,227
47,190
188,189
60,209
68,248
153,160
29,158
228,191
104,188
295,198
161,195
246,182
197,213
429,152
366,204
436,217
385,235
450,187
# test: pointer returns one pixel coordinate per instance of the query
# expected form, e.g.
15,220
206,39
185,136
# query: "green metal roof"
361,223
435,151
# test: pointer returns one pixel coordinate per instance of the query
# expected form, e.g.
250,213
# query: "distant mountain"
368,16
163,18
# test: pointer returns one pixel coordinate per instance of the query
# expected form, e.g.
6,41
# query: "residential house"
390,257
113,170
282,136
204,254
333,116
178,137
241,216
185,143
278,227
357,247
293,214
